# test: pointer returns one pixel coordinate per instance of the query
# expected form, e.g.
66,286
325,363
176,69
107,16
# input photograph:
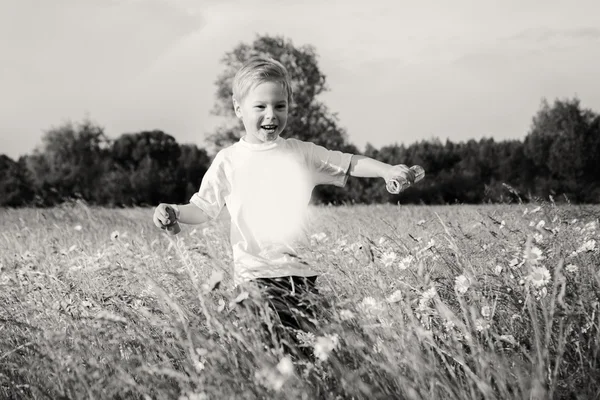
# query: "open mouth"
269,129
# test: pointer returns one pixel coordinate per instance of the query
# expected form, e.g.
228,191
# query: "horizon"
452,72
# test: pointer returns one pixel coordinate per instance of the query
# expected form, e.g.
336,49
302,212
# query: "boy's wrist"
176,210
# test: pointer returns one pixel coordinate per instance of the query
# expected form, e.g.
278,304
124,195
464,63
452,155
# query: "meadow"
424,302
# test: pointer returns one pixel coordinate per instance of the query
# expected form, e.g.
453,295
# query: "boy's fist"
399,171
165,215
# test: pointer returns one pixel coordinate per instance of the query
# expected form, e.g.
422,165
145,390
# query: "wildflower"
395,297
370,306
536,209
382,241
421,222
498,269
533,255
486,311
429,293
481,325
590,245
78,227
572,268
324,345
538,237
285,366
319,237
462,284
449,325
346,315
114,235
388,258
540,224
405,262
539,276
306,339
502,224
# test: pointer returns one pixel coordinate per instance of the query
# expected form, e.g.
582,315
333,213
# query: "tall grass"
455,302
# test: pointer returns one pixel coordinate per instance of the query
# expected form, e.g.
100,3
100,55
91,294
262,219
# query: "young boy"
266,182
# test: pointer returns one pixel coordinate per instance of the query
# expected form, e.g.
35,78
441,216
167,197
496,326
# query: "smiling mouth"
269,129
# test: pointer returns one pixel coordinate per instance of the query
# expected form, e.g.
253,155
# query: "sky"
398,71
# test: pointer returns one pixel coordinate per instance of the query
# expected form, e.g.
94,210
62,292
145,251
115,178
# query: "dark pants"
292,302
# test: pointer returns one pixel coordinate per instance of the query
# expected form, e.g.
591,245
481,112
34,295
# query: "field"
453,302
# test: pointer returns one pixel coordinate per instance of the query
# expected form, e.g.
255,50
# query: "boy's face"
264,112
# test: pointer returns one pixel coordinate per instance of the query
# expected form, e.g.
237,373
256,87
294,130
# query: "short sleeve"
210,198
330,166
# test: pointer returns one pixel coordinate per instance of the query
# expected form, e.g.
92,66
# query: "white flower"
461,284
539,276
78,227
449,325
502,224
395,297
533,255
319,237
538,237
324,345
306,339
370,306
421,222
429,293
540,224
590,245
486,311
382,240
572,268
498,269
346,315
536,209
388,258
481,325
406,261
285,366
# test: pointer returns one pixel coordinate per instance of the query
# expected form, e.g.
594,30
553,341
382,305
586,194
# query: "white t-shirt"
267,188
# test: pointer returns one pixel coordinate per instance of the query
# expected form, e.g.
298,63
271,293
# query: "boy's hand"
399,171
161,215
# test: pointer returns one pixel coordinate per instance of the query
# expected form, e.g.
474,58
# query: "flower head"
462,284
405,262
533,255
539,277
388,258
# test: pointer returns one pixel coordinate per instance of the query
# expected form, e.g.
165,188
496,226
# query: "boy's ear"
236,107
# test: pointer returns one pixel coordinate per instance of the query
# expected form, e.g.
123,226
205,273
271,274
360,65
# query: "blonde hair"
259,70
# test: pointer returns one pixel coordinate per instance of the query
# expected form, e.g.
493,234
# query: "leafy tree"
146,168
15,188
562,145
70,162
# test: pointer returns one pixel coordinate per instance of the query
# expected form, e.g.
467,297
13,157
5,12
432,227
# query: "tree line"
558,157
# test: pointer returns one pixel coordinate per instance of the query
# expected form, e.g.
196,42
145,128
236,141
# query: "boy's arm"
366,167
192,214
187,214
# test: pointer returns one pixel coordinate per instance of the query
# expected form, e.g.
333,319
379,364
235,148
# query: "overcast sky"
399,71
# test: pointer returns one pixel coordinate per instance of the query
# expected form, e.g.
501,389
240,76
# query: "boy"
266,182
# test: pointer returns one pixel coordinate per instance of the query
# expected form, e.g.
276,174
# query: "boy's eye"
259,107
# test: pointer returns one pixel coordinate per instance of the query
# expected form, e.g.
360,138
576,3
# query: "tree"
70,162
562,144
145,169
15,189
309,119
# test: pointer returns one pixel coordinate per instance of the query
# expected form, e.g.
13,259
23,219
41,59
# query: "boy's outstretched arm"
187,214
366,167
